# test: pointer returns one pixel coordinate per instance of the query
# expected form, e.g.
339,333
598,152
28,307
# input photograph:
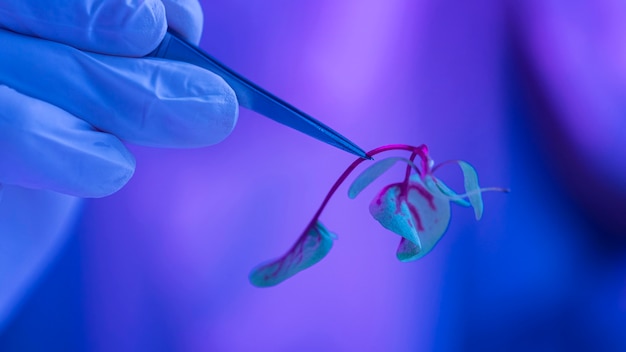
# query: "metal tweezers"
253,97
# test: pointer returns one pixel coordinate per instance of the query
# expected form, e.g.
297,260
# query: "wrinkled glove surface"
74,85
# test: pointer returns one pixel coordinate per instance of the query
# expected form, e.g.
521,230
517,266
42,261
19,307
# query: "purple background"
532,94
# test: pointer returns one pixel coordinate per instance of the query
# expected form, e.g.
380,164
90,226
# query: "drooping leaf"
391,209
372,173
413,212
313,245
437,187
472,189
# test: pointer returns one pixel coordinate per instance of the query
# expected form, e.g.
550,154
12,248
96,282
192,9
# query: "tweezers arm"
252,96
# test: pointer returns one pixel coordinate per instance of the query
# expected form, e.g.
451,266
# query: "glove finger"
152,102
44,147
116,27
185,18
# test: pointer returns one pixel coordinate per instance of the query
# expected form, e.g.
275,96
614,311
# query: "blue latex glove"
70,98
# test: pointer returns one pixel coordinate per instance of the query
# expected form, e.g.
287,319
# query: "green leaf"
408,251
438,188
472,189
311,247
391,209
372,173
413,212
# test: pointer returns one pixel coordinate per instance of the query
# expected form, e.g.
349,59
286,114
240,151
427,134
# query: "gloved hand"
73,85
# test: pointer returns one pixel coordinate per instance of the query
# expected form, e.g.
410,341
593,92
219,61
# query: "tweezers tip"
363,155
360,153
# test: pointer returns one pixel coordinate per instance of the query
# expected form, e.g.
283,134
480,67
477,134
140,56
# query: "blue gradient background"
532,93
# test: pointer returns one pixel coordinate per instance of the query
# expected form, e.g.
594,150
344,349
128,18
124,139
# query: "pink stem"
422,151
447,162
408,169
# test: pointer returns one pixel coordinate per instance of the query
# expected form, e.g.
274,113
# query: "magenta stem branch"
407,174
421,151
